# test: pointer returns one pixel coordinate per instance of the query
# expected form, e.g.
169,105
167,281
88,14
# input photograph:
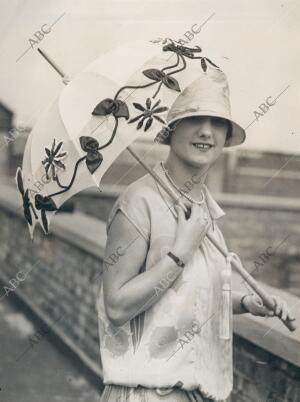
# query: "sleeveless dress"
178,342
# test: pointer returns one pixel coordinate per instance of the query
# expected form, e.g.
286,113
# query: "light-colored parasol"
120,97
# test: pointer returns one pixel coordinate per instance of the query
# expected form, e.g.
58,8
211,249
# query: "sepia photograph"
149,201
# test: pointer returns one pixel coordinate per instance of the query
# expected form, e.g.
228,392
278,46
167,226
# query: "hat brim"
238,134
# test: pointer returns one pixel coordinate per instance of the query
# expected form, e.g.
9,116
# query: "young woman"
162,316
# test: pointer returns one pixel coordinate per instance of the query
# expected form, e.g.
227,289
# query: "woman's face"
199,140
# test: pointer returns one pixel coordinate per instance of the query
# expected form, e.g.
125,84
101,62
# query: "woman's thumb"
179,210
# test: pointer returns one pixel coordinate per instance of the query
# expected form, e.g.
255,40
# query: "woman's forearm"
145,289
237,308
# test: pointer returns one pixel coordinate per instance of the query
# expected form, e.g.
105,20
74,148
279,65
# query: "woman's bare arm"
126,292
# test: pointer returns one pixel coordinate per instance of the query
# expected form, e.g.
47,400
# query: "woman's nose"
205,127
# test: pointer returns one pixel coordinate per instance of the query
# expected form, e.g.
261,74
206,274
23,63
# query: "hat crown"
207,95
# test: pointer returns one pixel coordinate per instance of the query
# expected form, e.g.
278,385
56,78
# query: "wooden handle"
267,300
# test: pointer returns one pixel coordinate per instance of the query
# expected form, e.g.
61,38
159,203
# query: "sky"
256,44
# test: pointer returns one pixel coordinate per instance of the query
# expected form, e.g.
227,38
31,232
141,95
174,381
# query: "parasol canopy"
121,96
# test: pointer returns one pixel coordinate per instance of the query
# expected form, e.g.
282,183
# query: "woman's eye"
195,119
219,121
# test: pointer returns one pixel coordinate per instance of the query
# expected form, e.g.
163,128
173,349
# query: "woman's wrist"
242,303
179,253
178,261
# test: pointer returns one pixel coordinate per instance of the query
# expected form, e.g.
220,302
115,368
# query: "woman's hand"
255,306
190,232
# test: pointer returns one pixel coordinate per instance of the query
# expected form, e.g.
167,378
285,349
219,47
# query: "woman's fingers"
195,211
260,308
256,307
180,212
278,305
281,309
284,311
290,316
267,312
197,216
258,301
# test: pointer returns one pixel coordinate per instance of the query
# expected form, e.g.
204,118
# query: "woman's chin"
200,160
200,157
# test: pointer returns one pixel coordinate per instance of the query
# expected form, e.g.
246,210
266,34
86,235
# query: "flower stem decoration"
183,51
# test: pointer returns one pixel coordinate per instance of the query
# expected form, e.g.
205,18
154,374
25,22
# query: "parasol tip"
51,62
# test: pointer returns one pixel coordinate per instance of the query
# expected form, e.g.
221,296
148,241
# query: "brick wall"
250,232
260,376
65,280
61,281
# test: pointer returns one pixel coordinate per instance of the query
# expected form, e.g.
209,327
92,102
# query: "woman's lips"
202,146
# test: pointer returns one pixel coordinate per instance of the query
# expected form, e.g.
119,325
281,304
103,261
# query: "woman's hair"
173,126
229,132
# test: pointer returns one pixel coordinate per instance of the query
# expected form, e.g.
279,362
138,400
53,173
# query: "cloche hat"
208,95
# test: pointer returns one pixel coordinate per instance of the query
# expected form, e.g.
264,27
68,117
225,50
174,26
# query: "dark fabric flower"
190,53
108,106
93,158
158,75
148,114
25,196
45,204
53,159
182,50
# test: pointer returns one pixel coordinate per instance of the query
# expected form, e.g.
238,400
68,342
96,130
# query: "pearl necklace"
181,191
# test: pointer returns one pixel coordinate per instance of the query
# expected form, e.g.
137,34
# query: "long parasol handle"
51,62
267,300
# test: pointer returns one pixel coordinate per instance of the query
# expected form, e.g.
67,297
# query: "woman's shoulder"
136,203
143,188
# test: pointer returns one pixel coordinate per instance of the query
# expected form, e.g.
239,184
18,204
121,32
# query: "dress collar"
215,210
